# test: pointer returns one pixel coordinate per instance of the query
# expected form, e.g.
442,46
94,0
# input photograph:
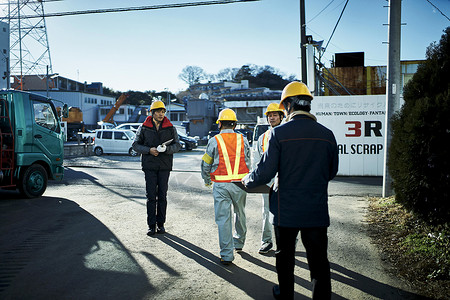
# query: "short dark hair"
279,112
229,124
300,98
158,109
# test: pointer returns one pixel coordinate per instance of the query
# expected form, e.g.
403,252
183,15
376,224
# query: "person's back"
308,151
304,155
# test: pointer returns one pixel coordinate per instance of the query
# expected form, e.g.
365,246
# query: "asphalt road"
86,239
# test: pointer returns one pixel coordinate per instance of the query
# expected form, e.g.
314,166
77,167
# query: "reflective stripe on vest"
224,172
265,141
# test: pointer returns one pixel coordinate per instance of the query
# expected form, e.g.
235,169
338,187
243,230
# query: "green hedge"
419,156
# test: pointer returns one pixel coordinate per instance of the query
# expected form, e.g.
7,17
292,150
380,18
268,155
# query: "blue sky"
146,50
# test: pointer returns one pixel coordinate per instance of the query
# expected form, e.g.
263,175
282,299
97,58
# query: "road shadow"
253,285
358,281
72,176
51,248
371,287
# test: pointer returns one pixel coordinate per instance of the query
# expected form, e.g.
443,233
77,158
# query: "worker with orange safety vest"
227,159
274,115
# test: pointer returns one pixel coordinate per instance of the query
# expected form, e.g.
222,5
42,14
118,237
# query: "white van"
114,141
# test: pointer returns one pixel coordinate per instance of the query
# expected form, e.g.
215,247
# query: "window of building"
173,117
251,110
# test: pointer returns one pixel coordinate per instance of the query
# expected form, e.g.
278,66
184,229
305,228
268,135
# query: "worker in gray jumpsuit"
275,115
227,159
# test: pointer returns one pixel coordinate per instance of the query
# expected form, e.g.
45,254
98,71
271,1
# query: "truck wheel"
98,151
132,152
33,182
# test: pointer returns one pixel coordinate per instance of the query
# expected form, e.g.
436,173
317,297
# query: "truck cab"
32,148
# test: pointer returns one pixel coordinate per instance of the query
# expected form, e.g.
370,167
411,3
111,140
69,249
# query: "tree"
227,74
262,76
419,156
139,98
110,92
244,73
269,77
192,75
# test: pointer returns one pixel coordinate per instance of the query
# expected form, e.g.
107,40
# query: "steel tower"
29,48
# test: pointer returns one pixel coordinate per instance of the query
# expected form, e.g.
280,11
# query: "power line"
321,11
137,8
438,9
342,12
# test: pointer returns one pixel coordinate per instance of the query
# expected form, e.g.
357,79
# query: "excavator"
109,118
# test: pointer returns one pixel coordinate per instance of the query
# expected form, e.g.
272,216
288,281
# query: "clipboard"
261,189
167,142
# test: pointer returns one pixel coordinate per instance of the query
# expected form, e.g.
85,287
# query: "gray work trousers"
227,195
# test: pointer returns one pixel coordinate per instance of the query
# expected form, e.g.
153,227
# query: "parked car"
87,135
259,129
247,133
129,126
114,141
212,133
190,142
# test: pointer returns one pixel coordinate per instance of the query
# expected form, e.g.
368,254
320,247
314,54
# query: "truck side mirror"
65,111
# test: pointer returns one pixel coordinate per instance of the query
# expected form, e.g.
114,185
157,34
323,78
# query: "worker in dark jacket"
305,156
156,140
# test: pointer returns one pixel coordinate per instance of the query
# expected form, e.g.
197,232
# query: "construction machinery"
109,118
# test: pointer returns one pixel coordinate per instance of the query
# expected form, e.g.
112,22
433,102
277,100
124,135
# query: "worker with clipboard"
157,141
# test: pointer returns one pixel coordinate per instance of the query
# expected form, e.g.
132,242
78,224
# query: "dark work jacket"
305,156
147,137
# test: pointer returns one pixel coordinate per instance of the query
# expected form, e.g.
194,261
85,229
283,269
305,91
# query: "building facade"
364,80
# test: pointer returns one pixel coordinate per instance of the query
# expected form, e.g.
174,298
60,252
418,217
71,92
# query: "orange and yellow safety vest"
231,153
265,141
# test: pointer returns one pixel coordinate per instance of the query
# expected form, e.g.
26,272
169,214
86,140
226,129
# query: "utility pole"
303,41
393,85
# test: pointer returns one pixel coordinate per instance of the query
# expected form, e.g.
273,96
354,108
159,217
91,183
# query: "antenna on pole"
29,47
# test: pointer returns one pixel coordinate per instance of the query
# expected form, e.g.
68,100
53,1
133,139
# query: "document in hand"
167,142
262,189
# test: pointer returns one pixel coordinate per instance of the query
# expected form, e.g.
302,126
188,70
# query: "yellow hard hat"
157,105
273,107
226,114
295,88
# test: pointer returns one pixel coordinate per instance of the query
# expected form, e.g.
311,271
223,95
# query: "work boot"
265,248
276,292
225,262
160,229
151,231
